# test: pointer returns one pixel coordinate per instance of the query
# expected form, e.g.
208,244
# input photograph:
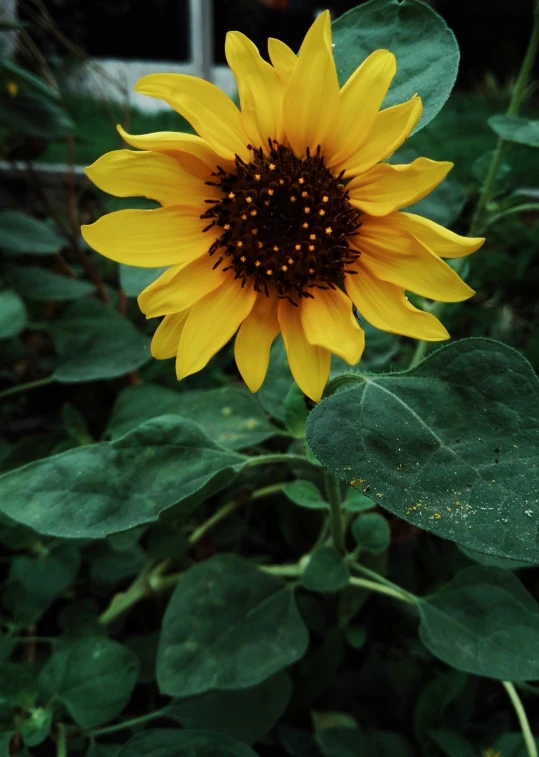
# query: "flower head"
280,216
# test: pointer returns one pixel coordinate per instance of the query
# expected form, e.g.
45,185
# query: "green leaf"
277,383
173,743
372,532
295,412
35,117
434,699
443,205
18,685
483,622
12,314
25,235
451,744
512,745
357,502
247,715
94,342
94,678
228,625
36,727
133,279
523,131
231,416
305,494
338,735
36,82
426,49
449,446
100,489
36,283
325,571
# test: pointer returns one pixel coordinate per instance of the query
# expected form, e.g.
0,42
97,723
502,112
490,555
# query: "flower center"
285,223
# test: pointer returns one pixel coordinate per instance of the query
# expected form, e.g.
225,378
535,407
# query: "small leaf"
36,727
94,342
18,685
523,131
174,743
133,279
452,744
23,234
100,489
483,622
357,502
12,314
94,678
36,283
247,715
295,412
305,494
426,49
228,625
325,571
372,532
277,383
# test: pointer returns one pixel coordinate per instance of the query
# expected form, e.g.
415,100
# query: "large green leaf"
450,446
247,714
93,677
174,743
22,74
23,234
483,622
100,489
133,279
95,342
12,314
228,625
524,131
35,117
426,49
231,415
36,283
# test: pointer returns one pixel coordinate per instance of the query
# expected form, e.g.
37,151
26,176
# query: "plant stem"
522,718
24,387
275,458
383,580
61,744
364,583
527,207
333,493
127,724
489,185
286,571
219,515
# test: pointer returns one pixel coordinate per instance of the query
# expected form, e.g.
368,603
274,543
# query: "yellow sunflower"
280,216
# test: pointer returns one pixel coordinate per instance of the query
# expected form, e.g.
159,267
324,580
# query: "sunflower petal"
260,90
157,176
437,238
311,100
386,307
328,321
211,323
254,340
309,364
401,259
150,238
207,108
361,99
180,287
385,188
174,143
282,58
167,336
390,129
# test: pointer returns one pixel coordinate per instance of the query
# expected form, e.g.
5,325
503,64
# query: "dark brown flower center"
285,223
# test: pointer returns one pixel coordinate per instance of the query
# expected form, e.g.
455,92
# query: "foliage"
194,570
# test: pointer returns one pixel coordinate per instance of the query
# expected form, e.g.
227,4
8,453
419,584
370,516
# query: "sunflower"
280,216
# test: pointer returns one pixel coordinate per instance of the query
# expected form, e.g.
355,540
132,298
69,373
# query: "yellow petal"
361,99
180,287
209,111
150,238
437,238
254,339
309,364
311,100
177,144
386,307
260,90
385,188
328,321
167,336
154,175
401,259
390,129
283,59
211,323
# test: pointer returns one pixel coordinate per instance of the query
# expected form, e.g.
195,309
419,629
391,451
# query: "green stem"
219,515
524,208
61,742
275,458
286,571
383,580
527,734
489,185
364,583
127,724
333,492
24,387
